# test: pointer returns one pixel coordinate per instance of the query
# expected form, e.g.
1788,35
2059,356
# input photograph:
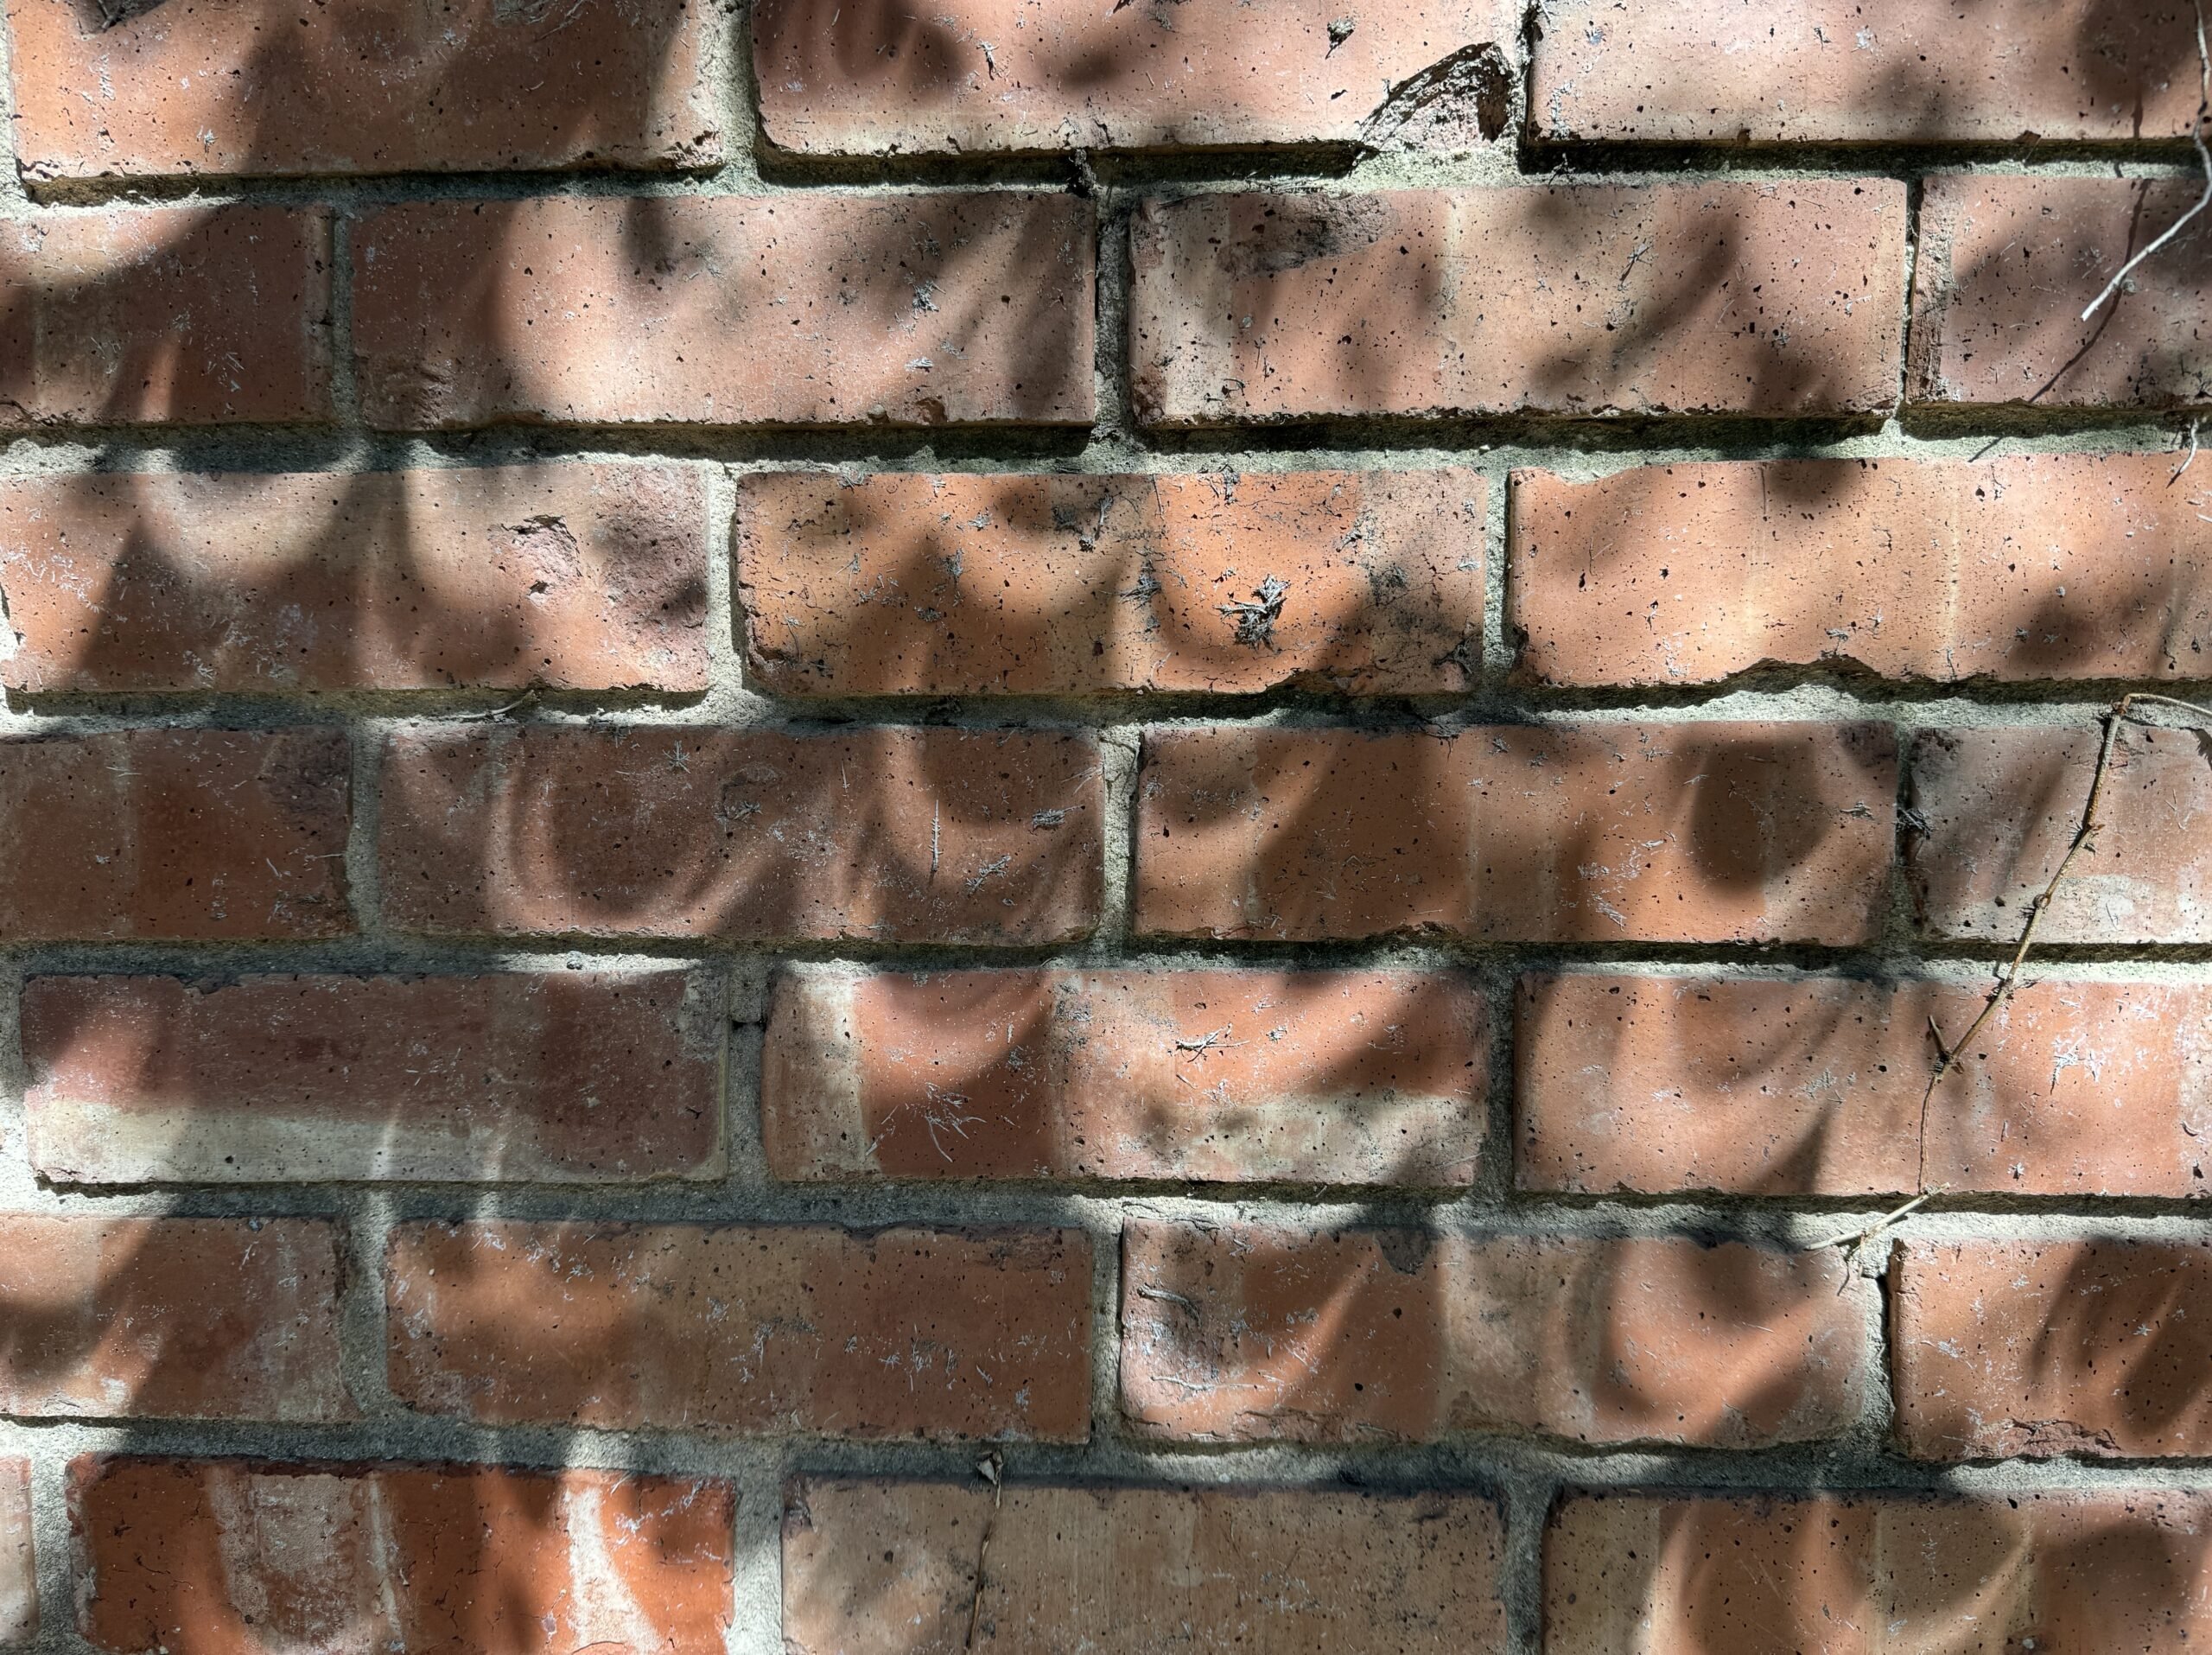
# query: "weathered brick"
1301,1077
193,834
890,1569
1574,300
899,583
1840,72
18,1564
230,1555
567,576
2006,1350
1813,1087
1673,1574
567,1076
259,88
998,75
1994,809
186,315
170,1318
2019,567
2006,266
1240,1333
1688,832
873,834
962,308
798,1330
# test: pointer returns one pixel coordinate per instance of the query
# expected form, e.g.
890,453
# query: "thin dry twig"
1947,1053
2190,459
2203,154
988,1468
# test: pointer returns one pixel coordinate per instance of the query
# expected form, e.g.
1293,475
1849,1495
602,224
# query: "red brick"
872,834
998,75
2006,266
18,1565
1376,1078
197,835
962,308
814,1331
229,1556
890,1569
899,583
1237,1335
1706,831
2026,1349
1577,299
1666,1574
1813,1085
570,1077
567,576
1838,71
2020,568
170,1318
188,315
1994,810
259,88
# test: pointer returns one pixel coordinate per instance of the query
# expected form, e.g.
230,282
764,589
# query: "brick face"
171,1319
2020,568
564,1078
1293,1077
882,834
1744,298
18,1562
907,310
889,1569
1250,1334
799,1330
1566,833
260,88
197,835
906,584
183,1554
182,315
1817,72
565,576
995,75
2009,1350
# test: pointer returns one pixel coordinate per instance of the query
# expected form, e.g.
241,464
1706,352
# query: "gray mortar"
1525,1473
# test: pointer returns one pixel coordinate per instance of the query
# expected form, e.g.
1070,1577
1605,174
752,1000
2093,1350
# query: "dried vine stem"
990,1468
2008,977
2203,154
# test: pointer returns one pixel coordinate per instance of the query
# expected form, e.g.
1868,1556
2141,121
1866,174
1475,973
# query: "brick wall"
837,827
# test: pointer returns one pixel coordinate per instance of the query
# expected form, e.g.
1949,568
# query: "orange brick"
2006,1350
569,1077
1239,1334
1670,1574
996,76
267,89
1297,1077
1813,1087
18,1564
568,576
889,1568
1581,299
2019,567
194,834
1994,809
876,834
170,1318
1803,72
189,1555
896,1335
188,315
1689,832
900,583
2006,266
800,309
